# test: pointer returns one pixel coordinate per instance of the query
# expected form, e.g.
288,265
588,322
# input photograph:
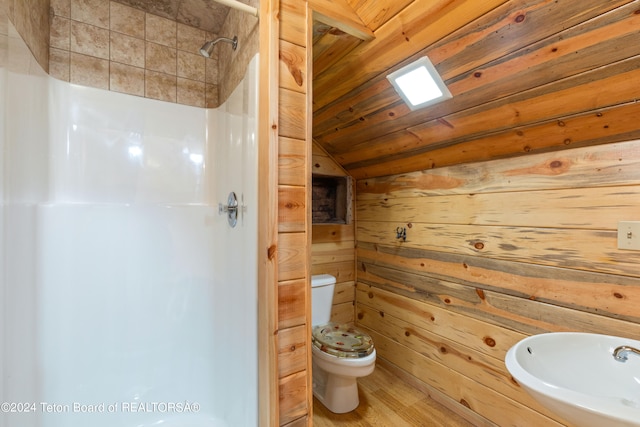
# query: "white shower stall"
127,298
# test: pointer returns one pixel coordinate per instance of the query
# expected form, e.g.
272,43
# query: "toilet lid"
342,340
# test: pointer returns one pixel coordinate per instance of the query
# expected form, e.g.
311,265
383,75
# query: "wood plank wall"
333,245
268,178
294,219
496,251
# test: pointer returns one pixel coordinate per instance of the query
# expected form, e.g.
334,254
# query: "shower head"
207,49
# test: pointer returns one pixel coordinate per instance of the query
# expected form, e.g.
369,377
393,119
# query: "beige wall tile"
4,51
31,20
20,58
191,66
161,58
161,30
203,14
232,64
146,55
19,17
61,8
41,24
127,20
93,12
211,36
4,19
160,86
89,40
59,64
190,39
127,50
89,71
127,79
60,34
211,96
211,70
191,92
164,8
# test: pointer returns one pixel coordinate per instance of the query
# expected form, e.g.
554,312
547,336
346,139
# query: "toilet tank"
322,286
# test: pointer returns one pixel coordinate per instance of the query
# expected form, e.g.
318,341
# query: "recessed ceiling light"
419,84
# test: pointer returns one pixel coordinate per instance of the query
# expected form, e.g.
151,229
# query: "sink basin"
576,376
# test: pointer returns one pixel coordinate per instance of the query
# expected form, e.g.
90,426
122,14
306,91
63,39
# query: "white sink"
576,376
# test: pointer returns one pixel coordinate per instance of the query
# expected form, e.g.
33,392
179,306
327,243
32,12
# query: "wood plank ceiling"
526,76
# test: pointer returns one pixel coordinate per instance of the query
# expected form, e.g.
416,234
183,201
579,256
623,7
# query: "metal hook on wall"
401,233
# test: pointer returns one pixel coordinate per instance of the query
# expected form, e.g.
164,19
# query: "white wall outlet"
629,235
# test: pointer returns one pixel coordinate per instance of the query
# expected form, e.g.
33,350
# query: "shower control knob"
231,209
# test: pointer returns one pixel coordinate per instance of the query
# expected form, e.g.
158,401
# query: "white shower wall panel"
233,127
26,151
108,147
23,171
3,100
128,299
121,282
3,127
20,379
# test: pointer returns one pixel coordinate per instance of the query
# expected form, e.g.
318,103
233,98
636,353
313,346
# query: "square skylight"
419,84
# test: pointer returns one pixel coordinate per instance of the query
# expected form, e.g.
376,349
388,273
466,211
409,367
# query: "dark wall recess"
330,199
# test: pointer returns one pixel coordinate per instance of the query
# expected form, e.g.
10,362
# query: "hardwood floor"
387,401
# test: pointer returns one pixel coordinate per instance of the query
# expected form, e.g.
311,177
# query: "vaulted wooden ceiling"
526,76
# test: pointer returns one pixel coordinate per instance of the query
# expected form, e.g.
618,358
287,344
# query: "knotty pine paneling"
292,295
292,350
333,247
521,110
294,156
600,126
292,114
293,28
507,69
323,164
292,256
483,400
330,46
293,396
292,208
496,251
292,159
582,249
609,165
342,313
467,285
292,66
300,422
446,353
374,13
419,24
600,208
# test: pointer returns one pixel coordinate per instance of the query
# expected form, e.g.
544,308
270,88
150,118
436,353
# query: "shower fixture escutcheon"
231,209
207,49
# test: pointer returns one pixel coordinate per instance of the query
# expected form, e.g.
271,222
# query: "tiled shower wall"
232,65
31,20
4,32
111,46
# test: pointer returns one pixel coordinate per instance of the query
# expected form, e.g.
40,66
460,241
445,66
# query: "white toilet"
340,353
